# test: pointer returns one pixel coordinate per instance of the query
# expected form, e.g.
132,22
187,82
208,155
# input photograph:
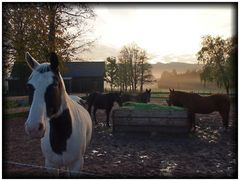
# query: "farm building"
78,77
84,76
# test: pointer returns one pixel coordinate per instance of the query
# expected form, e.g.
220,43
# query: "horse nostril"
40,127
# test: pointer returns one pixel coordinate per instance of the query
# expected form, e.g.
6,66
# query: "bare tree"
136,70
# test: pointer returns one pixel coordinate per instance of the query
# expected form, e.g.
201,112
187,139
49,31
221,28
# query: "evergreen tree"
111,72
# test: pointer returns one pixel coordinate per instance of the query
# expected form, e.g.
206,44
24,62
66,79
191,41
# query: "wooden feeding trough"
139,117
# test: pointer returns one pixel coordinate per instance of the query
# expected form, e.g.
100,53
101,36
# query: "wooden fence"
161,96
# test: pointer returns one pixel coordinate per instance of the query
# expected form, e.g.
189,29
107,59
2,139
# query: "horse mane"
183,99
187,93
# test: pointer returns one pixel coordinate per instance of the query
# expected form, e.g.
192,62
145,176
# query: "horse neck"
111,98
185,96
181,96
64,98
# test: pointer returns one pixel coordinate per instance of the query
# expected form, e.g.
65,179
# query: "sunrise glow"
163,30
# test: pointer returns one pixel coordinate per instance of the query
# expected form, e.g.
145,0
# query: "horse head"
170,97
45,86
118,98
175,98
145,97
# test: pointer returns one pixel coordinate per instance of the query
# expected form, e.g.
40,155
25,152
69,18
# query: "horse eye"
30,87
54,85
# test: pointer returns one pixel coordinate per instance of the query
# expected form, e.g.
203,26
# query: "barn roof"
83,69
71,69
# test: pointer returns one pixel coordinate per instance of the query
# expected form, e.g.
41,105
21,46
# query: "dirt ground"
209,153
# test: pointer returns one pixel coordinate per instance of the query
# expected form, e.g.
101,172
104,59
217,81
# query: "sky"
167,32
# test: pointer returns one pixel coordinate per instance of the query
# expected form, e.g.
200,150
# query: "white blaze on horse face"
37,119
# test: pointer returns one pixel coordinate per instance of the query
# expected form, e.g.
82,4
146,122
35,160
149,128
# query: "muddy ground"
209,153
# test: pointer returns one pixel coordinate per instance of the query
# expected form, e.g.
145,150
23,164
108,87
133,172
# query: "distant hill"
158,68
99,52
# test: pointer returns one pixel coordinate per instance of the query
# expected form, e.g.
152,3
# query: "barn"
79,77
84,76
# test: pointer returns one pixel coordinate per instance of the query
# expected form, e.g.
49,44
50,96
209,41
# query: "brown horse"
195,103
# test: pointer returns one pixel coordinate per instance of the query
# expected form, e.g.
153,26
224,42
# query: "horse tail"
90,101
228,104
225,110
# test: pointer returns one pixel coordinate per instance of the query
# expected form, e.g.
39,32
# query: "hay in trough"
150,106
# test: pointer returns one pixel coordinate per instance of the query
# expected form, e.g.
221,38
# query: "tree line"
130,70
188,80
219,58
62,27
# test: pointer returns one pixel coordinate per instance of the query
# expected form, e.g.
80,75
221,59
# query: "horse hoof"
223,130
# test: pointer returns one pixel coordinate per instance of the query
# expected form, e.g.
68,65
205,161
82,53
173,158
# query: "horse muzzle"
35,132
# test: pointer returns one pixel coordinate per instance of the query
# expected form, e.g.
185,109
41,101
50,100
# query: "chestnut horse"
195,103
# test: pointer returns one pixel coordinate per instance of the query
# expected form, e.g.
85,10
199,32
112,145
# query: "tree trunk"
52,27
227,89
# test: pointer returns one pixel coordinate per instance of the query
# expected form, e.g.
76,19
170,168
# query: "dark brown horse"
141,97
195,103
103,101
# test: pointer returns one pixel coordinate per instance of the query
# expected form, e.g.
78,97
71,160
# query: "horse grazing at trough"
64,126
103,101
143,97
195,103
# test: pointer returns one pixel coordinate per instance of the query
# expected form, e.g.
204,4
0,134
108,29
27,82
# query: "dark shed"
78,77
84,76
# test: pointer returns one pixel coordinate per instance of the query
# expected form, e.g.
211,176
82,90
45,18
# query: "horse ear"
170,90
54,61
173,90
32,63
149,90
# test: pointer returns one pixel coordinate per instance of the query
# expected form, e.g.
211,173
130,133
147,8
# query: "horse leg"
191,119
76,167
90,109
107,120
51,168
225,118
94,114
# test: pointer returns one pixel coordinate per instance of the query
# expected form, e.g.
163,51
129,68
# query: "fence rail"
15,98
16,110
154,95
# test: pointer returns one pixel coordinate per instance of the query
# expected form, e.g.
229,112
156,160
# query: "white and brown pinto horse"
64,126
